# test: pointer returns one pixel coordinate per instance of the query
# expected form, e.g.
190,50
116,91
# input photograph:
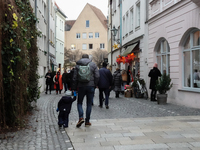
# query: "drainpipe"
111,34
55,33
120,25
48,27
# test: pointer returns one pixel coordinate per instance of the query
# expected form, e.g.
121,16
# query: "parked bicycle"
139,87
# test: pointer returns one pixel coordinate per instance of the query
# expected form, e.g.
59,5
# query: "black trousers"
48,86
117,94
153,94
63,118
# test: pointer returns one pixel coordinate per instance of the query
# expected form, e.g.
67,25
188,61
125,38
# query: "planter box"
162,98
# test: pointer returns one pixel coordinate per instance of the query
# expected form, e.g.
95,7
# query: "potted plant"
163,84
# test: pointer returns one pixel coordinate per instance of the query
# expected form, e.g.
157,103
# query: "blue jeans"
106,92
89,92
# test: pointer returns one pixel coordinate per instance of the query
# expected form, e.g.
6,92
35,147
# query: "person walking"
154,74
58,82
64,108
117,81
64,80
105,82
49,80
86,77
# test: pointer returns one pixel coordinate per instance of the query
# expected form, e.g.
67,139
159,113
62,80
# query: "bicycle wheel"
137,92
145,94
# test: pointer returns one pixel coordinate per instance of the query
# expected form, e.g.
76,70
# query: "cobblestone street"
45,134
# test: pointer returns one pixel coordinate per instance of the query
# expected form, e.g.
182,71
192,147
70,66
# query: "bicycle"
140,90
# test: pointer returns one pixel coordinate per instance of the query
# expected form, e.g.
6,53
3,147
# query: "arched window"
191,60
163,56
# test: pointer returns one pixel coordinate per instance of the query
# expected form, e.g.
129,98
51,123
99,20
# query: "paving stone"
128,122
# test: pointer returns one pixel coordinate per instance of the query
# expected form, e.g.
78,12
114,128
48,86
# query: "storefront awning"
128,50
53,61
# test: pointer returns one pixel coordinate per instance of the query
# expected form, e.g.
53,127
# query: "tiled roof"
100,15
69,24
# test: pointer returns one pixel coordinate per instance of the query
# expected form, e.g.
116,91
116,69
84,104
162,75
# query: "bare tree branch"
98,56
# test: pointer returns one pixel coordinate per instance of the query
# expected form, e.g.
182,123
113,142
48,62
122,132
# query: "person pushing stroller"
64,108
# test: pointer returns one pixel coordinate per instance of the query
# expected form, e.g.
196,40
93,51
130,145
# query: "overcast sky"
72,8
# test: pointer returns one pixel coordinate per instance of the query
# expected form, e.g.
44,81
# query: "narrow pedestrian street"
128,124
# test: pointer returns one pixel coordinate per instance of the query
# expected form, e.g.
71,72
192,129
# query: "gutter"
48,27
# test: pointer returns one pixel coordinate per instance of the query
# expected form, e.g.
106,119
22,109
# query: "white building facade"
44,11
174,43
41,12
129,19
60,37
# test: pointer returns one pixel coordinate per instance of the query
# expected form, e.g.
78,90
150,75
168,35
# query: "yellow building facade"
88,33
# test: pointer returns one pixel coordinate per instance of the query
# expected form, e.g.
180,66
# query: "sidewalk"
161,133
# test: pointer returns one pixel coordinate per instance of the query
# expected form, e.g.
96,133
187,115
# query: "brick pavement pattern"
131,121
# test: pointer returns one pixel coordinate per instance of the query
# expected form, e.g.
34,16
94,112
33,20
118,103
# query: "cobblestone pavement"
43,132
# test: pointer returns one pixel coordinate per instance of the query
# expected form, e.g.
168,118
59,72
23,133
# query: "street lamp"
114,32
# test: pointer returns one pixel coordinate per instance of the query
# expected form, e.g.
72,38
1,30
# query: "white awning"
128,50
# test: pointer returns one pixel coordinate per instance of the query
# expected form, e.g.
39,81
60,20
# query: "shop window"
191,60
163,56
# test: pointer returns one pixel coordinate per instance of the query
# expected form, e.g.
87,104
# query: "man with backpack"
86,77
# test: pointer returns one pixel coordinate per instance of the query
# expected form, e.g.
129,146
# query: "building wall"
60,39
172,22
41,41
80,27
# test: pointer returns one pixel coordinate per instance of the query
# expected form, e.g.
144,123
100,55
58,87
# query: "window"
163,57
138,14
131,19
90,35
73,47
96,34
127,23
84,35
84,46
191,60
124,27
90,46
87,23
78,35
102,46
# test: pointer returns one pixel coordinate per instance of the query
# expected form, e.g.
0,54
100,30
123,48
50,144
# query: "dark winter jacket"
154,74
65,103
64,77
117,80
105,80
94,78
49,80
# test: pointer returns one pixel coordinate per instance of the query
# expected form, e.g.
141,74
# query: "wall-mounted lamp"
114,32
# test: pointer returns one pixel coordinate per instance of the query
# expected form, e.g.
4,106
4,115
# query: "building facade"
129,18
41,12
88,33
174,43
44,11
60,37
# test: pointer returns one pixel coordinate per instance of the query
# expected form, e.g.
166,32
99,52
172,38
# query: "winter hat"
68,93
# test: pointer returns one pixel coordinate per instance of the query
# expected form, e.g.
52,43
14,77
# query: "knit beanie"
68,93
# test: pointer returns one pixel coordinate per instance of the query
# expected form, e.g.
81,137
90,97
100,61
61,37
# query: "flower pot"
162,98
